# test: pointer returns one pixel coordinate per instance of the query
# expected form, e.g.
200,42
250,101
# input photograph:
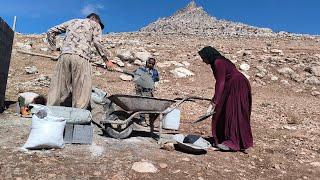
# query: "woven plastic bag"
46,131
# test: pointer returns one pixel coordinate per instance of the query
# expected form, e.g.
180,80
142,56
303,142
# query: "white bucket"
172,120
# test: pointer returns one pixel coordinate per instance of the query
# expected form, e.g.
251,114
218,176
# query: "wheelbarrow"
119,123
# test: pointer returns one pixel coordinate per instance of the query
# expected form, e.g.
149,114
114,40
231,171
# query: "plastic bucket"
172,120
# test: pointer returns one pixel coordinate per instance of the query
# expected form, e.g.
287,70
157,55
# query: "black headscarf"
211,54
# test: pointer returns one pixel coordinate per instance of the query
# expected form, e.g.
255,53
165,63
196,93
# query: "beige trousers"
72,75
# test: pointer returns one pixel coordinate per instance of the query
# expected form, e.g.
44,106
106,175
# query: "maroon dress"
231,122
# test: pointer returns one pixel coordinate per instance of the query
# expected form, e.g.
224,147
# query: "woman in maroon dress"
232,103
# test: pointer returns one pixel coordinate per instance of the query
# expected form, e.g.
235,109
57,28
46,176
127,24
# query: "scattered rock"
186,64
244,52
23,46
168,146
186,159
137,62
315,93
286,71
245,67
143,56
118,62
31,70
182,72
274,78
285,82
44,49
125,77
144,167
277,51
125,55
289,127
315,164
312,81
163,165
315,70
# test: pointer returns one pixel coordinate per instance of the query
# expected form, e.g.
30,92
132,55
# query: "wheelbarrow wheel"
119,131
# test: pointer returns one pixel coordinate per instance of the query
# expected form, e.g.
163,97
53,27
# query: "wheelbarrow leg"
152,119
160,130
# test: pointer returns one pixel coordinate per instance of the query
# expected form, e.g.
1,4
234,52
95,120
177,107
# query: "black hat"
97,17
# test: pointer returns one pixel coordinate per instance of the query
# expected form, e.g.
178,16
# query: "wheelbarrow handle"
182,100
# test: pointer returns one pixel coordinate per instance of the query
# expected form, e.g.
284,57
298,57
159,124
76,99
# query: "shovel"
203,117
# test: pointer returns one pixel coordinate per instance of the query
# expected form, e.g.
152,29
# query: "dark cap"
97,17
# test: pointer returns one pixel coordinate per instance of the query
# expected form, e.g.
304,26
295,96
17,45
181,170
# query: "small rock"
312,81
168,146
315,93
125,77
244,67
186,159
120,63
176,171
44,49
274,78
31,70
285,82
315,164
277,51
276,166
182,72
51,175
315,70
97,73
97,173
163,165
286,71
144,167
137,62
244,52
289,127
186,64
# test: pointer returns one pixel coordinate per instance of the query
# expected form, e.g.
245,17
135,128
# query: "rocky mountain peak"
194,20
191,6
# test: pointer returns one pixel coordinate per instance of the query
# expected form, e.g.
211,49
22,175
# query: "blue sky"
36,16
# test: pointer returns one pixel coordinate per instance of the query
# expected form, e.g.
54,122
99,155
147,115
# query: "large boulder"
124,55
143,56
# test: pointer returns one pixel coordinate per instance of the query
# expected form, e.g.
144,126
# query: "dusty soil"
285,122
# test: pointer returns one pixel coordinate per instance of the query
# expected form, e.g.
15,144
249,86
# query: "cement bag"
46,132
71,115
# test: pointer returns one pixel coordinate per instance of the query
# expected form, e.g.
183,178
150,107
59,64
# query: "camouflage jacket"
81,35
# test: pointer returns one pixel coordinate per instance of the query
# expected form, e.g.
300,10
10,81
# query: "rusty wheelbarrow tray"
121,125
139,103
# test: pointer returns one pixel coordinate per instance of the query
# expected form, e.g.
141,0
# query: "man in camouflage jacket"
72,73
